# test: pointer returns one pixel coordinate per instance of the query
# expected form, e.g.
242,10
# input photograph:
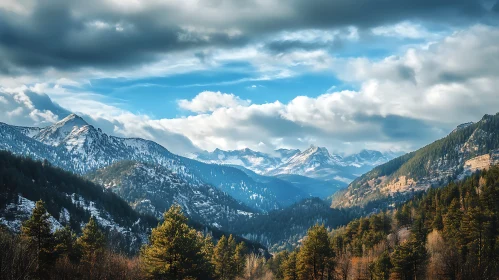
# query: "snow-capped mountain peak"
315,155
55,134
367,158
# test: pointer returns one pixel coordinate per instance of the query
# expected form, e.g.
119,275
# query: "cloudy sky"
264,74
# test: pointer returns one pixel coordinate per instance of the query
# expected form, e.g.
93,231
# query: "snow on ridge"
23,209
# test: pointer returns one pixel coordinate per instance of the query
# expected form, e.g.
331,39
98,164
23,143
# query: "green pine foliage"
92,241
446,233
174,250
37,232
39,253
315,260
229,258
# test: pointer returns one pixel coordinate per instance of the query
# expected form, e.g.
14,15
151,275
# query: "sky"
389,75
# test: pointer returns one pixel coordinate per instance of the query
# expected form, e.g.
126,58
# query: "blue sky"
192,75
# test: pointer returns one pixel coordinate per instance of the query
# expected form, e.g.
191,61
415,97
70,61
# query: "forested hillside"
70,200
282,229
174,251
468,148
446,233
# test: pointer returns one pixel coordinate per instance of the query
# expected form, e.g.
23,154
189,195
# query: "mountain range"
468,148
216,189
314,162
242,191
78,147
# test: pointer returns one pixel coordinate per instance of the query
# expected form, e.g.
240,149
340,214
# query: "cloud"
403,101
209,101
22,106
400,103
403,30
70,35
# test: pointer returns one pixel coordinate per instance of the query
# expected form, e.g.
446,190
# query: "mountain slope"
313,187
317,162
74,145
288,192
282,229
69,199
468,148
153,189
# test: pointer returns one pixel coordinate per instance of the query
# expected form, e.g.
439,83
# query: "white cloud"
21,106
209,101
402,102
403,30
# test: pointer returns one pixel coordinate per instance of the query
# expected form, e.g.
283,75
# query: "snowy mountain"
152,189
70,200
317,162
368,158
76,146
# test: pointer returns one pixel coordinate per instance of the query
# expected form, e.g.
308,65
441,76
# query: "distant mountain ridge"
468,148
315,162
76,146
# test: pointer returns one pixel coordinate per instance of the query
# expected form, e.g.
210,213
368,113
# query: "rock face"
76,146
468,148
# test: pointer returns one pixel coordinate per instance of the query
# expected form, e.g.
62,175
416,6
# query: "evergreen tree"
290,269
380,269
240,258
410,258
275,264
36,231
65,244
316,256
174,250
92,242
207,250
229,258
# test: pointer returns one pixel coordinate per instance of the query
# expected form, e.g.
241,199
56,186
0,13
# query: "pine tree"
315,259
275,264
174,250
290,269
380,269
92,241
229,258
36,231
410,258
65,244
207,250
240,258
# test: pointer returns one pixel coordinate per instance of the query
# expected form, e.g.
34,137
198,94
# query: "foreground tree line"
175,251
446,233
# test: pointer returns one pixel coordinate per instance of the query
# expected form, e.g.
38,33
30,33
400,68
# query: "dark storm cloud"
72,34
288,45
54,36
495,8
